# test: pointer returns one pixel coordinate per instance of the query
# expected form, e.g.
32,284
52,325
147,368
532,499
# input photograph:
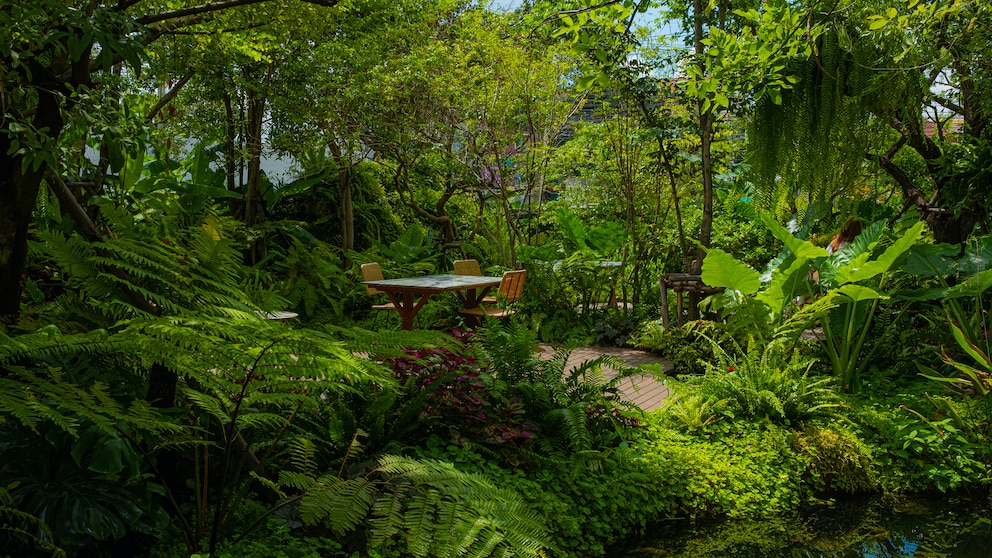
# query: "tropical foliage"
189,365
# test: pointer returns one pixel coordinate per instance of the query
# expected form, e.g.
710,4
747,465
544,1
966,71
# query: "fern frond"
218,409
342,504
264,421
436,510
182,442
268,484
34,396
574,425
383,345
419,523
13,521
387,517
297,480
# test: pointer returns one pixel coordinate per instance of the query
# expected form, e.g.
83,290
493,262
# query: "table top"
436,283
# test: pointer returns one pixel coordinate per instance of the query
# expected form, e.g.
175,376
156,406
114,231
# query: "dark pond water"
879,527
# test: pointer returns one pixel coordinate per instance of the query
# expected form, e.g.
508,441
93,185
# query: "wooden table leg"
407,307
472,298
407,311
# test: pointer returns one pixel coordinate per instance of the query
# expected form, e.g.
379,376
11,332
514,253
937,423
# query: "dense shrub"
459,400
689,346
752,471
839,460
926,442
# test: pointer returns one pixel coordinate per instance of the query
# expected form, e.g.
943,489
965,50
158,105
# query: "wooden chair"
373,272
467,267
471,267
509,291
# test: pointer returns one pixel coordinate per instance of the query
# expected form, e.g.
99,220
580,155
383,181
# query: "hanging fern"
812,144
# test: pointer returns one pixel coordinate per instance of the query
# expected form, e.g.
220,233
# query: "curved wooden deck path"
643,390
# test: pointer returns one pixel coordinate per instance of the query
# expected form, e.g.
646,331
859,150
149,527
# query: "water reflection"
877,527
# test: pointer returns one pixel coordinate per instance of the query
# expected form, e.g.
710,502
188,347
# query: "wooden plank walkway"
643,390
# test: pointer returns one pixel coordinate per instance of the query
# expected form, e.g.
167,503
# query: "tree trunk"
18,193
347,211
946,226
706,139
230,137
706,163
19,186
254,204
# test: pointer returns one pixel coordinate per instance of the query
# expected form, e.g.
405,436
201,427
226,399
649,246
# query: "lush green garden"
173,172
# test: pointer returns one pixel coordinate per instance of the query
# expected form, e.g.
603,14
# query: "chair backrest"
512,285
371,272
467,267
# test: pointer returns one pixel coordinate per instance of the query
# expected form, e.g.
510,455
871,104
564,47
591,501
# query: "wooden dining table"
409,294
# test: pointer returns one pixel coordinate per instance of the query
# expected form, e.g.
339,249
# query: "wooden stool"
681,283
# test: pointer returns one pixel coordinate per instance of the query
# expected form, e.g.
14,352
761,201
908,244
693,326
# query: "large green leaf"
786,285
198,165
931,260
970,348
801,248
858,252
921,295
977,257
295,187
864,242
720,269
972,286
572,228
858,271
607,237
131,171
857,293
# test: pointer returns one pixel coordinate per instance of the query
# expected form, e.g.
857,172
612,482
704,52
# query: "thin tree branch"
70,205
168,97
88,229
949,104
207,32
213,7
195,10
577,11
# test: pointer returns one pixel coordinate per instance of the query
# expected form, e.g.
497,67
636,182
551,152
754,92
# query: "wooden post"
664,302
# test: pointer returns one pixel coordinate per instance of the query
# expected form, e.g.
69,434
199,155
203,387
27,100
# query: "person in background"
845,236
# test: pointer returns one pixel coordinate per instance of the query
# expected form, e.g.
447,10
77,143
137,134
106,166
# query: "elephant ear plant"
852,283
